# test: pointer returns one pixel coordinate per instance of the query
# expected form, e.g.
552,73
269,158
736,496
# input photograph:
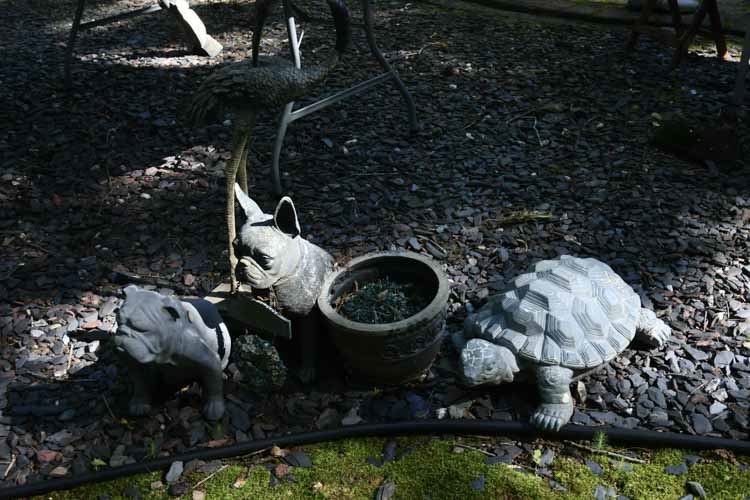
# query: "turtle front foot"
552,416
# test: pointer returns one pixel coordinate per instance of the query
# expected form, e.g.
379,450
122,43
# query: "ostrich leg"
242,168
243,126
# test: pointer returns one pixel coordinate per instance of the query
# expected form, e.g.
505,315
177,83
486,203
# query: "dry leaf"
278,452
239,482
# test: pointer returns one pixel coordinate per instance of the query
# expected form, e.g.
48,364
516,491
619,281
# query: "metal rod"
291,27
286,116
366,7
119,17
352,91
71,42
739,85
289,115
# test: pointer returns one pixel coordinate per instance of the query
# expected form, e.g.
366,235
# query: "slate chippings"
534,143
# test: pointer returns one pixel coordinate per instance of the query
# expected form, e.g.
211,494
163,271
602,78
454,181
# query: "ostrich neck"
315,74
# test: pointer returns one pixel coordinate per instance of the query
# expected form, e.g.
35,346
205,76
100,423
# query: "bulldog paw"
139,408
213,409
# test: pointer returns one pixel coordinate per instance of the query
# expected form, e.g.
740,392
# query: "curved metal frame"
289,115
79,26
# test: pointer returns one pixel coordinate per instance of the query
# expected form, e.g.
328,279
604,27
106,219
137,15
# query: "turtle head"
485,363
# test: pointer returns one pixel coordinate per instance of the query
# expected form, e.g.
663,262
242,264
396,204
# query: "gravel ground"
535,143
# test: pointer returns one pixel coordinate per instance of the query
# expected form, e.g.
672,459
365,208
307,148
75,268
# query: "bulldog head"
148,321
268,246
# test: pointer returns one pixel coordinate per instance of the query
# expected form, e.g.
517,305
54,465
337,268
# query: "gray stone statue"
198,39
568,315
170,343
271,255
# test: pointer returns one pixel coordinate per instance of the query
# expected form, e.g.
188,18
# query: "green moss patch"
434,469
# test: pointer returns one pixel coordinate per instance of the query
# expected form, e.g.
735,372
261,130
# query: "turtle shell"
577,313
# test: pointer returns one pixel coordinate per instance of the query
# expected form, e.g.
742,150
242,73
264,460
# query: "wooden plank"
257,316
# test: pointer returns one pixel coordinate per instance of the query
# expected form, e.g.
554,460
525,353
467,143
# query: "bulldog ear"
251,209
285,217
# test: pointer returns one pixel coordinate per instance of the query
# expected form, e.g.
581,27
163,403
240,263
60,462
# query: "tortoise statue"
569,314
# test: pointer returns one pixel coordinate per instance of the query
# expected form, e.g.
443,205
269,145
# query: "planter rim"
383,329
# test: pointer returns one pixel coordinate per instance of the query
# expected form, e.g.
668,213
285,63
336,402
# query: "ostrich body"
247,89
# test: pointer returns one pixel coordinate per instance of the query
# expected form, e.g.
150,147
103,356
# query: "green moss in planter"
381,301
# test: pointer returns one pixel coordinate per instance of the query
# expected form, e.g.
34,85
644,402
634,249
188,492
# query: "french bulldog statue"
170,343
273,256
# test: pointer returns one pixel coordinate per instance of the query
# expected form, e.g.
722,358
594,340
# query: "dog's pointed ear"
285,217
251,209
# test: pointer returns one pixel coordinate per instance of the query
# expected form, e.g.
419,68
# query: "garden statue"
195,31
273,256
170,343
246,89
569,314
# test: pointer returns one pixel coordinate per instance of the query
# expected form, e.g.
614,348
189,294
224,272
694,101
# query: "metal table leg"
367,8
209,48
289,115
738,96
72,41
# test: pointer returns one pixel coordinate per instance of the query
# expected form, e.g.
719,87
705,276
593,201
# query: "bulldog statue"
273,256
170,343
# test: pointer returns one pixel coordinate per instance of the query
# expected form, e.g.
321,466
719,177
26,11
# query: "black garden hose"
475,427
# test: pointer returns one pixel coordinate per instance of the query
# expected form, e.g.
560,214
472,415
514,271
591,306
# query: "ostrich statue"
247,89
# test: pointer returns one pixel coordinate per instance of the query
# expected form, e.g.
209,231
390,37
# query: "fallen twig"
467,447
520,115
114,419
259,452
701,386
538,137
607,452
210,476
10,466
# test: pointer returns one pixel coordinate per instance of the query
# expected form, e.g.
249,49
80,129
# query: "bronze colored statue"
245,90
